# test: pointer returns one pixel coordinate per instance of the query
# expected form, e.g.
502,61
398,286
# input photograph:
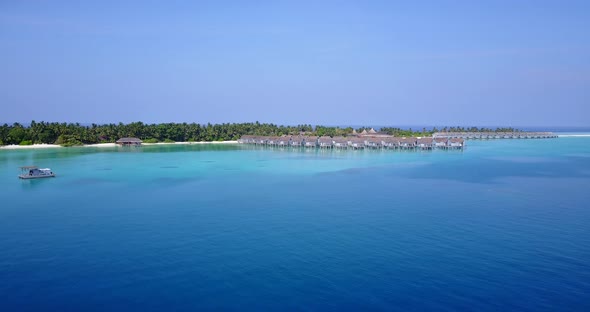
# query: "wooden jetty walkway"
494,135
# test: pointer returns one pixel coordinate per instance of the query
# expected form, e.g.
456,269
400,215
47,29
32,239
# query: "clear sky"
518,63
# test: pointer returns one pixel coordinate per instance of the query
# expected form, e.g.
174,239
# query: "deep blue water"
502,225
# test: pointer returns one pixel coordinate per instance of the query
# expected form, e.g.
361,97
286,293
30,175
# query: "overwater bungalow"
260,140
441,142
456,143
390,143
357,143
247,139
425,143
283,141
340,142
372,142
129,142
407,143
297,141
311,141
271,141
325,142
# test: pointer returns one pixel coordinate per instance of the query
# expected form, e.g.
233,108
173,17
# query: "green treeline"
69,134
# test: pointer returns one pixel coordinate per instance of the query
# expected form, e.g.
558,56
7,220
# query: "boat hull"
29,177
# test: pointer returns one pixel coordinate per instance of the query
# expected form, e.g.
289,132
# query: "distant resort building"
494,135
129,142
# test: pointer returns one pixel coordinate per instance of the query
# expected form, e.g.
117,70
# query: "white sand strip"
16,147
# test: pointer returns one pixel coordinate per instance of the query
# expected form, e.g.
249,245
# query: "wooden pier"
494,135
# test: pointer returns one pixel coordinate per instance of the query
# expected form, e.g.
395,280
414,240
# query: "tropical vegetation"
70,134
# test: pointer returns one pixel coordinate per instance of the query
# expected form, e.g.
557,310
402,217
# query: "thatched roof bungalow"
311,141
440,142
407,143
357,143
129,141
283,141
296,141
325,142
372,142
425,143
456,143
390,142
246,139
340,142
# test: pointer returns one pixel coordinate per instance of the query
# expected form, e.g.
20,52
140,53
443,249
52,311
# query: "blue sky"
520,63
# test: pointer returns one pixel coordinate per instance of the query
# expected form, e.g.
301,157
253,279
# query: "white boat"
33,172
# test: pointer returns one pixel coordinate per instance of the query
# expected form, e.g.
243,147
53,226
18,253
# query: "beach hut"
129,141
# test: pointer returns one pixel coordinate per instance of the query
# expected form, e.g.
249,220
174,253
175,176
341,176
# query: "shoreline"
43,146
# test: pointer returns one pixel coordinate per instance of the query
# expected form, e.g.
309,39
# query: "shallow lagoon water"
502,225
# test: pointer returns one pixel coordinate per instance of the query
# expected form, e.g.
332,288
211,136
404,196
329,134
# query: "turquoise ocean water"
502,225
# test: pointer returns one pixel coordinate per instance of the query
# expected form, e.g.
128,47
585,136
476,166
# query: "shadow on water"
32,184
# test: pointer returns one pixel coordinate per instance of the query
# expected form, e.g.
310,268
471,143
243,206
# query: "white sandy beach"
15,147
